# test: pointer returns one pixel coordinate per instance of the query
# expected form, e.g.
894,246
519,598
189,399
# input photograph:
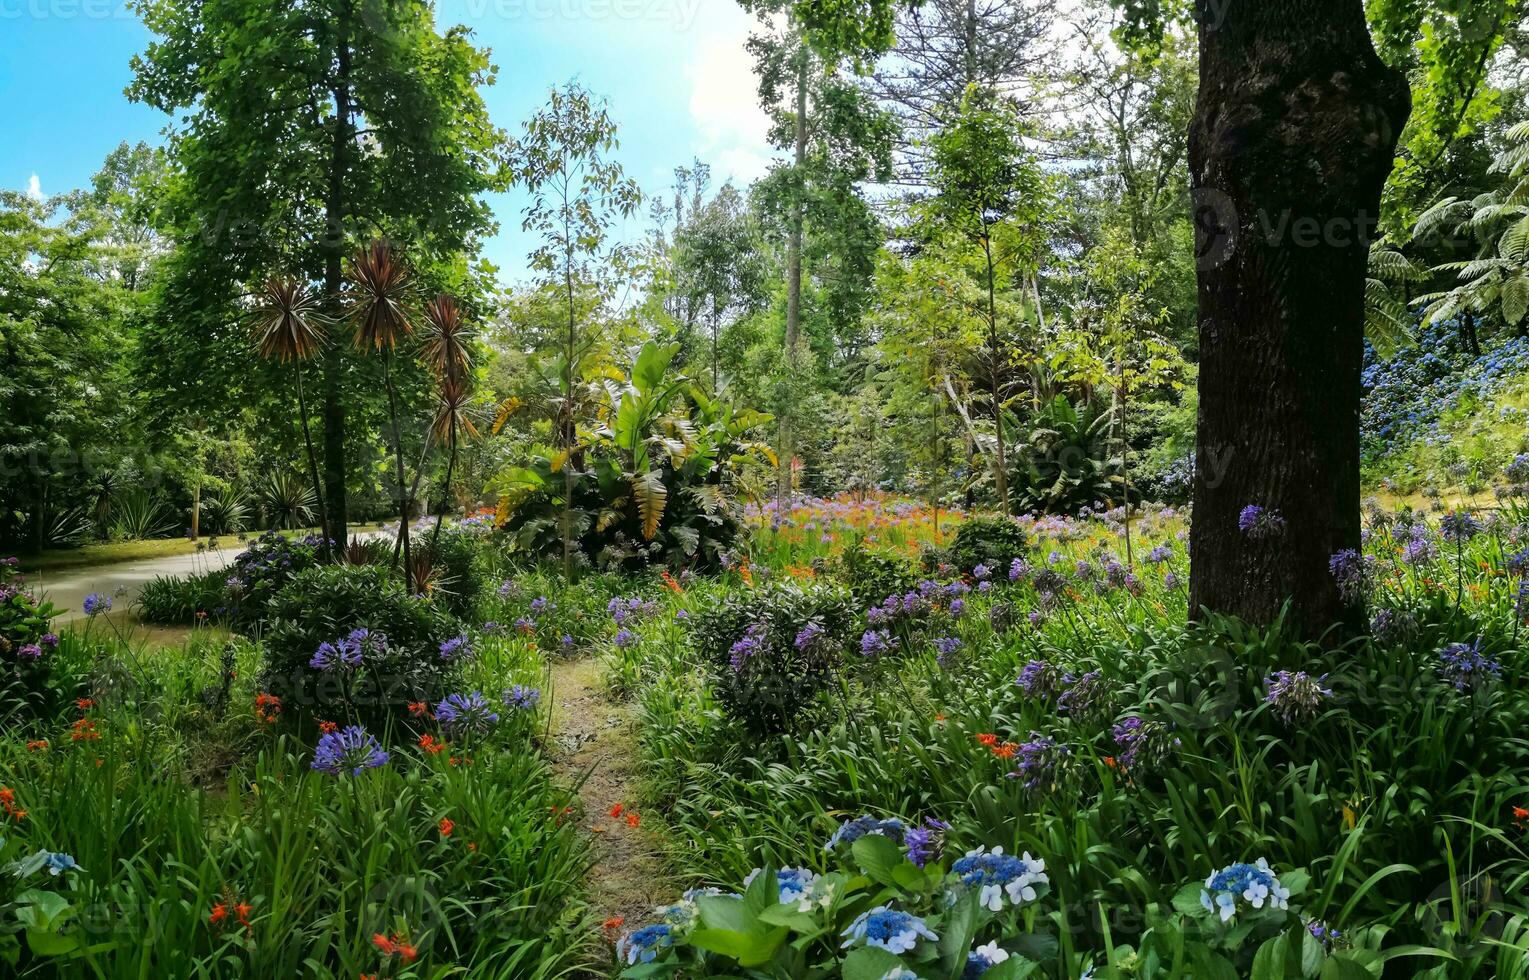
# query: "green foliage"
653,483
264,569
460,574
324,605
770,686
995,541
1065,462
872,575
168,600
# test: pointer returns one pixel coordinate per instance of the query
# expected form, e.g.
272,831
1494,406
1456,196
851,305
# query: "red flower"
243,910
328,727
616,811
40,745
989,740
84,704
83,730
446,827
219,913
419,709
267,708
1004,751
632,819
432,744
614,923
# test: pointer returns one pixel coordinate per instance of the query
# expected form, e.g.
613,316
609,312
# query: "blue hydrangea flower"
644,944
465,713
983,959
852,830
1254,884
887,928
350,750
995,875
58,862
794,884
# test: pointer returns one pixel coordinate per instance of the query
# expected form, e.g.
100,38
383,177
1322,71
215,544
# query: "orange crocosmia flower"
616,810
218,914
988,739
243,910
328,727
633,819
432,744
1005,751
84,704
446,827
614,923
83,730
419,709
37,746
472,845
1521,814
384,944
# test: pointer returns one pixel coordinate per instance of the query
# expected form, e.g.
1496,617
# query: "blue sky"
678,79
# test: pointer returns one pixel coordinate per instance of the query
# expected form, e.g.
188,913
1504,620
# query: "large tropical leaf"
651,495
652,364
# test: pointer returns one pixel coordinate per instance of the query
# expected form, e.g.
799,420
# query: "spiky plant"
446,354
289,327
378,306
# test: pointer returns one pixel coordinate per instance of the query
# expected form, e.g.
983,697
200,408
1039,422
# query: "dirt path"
596,736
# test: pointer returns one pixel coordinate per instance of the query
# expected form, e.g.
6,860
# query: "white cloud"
34,188
724,102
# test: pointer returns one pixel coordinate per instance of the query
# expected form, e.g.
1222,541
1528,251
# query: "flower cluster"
1466,667
1254,884
926,842
996,875
350,750
1260,523
1295,696
521,697
754,641
464,713
457,648
887,928
1041,763
349,652
1144,745
852,830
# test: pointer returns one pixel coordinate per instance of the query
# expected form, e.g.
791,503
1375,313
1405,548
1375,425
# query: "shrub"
774,651
871,576
400,662
26,646
459,575
176,600
993,541
264,569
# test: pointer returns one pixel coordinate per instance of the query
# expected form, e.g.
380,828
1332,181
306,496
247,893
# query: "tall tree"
305,129
837,139
946,46
984,178
579,193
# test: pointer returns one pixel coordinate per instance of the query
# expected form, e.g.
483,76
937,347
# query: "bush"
774,651
401,664
871,576
26,646
264,569
993,541
460,578
176,600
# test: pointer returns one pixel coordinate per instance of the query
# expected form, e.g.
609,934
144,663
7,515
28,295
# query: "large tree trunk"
333,410
1292,141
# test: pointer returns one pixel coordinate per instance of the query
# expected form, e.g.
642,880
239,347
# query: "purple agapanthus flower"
1260,523
752,643
1041,762
97,603
521,697
1295,696
350,750
457,648
1466,667
875,642
461,713
926,842
809,636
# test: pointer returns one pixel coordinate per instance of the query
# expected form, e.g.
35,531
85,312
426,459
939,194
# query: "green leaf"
956,932
870,963
652,364
1340,967
877,856
1186,901
727,912
748,948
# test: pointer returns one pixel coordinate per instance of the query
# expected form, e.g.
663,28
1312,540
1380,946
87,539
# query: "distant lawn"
117,552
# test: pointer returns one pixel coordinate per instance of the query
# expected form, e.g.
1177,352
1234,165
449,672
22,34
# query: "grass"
121,552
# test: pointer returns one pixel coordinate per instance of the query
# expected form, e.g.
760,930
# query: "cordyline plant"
289,327
446,355
378,305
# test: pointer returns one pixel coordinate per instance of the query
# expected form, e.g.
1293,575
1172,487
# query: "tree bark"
1294,135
